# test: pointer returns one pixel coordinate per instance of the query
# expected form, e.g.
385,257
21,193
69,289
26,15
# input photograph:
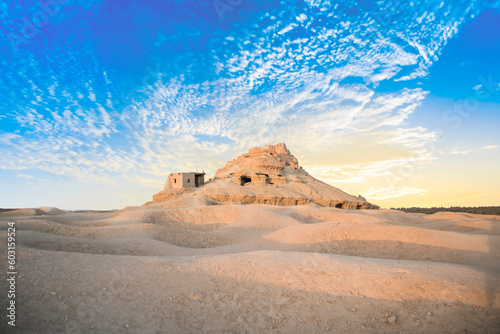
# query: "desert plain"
254,268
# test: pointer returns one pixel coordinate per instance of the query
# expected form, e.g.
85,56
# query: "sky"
397,101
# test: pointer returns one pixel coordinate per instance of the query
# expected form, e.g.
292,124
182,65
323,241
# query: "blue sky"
397,101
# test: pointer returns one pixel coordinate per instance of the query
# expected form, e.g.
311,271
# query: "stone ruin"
265,175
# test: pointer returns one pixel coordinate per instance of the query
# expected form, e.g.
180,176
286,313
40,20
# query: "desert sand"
254,268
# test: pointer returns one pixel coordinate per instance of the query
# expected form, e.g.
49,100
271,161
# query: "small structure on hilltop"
264,175
185,180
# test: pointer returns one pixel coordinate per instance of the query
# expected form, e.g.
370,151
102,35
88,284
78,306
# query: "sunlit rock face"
266,175
262,166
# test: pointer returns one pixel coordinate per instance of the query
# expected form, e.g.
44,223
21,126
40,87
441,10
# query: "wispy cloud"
361,173
392,192
31,177
489,147
25,176
457,151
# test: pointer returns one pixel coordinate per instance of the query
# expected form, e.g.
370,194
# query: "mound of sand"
20,212
255,269
46,210
49,210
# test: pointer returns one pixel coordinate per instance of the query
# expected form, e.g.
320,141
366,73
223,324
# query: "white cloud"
490,147
287,29
457,151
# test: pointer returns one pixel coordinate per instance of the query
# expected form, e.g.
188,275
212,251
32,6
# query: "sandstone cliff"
267,175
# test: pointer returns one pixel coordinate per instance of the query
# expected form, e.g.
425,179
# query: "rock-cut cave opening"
245,180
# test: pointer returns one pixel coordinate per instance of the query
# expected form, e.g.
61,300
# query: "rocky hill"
266,175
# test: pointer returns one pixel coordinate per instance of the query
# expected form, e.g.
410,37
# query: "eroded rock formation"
268,175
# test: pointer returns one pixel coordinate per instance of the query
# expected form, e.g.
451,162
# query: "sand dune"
255,268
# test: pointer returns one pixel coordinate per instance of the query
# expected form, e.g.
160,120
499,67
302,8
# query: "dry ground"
254,269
